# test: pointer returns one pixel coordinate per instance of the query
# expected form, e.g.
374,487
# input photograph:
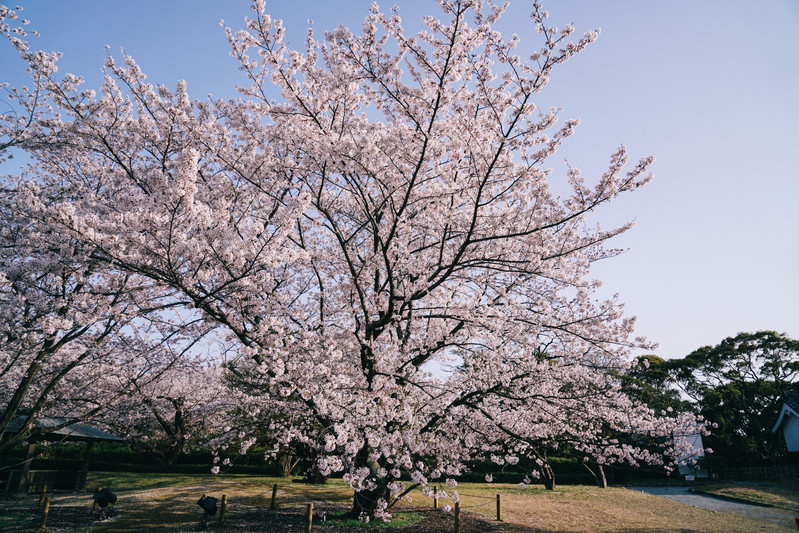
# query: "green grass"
141,481
14,518
397,520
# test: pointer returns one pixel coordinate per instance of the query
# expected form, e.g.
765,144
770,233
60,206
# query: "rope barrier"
484,505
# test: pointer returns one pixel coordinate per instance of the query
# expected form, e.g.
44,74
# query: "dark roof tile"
792,400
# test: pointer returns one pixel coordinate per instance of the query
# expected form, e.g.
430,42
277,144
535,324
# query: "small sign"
689,478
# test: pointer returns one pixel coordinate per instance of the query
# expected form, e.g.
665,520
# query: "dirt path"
709,503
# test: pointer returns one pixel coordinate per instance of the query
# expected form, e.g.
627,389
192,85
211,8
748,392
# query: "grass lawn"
589,509
167,502
13,519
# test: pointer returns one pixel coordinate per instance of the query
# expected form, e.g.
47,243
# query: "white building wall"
790,428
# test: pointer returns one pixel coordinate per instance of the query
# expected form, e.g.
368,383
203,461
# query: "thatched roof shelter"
58,430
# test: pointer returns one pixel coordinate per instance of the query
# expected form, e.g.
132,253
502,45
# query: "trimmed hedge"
119,457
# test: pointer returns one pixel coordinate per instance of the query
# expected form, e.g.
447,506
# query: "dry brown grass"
581,509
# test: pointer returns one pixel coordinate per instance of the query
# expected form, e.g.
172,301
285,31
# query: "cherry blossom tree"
59,318
23,122
172,409
72,327
373,223
75,336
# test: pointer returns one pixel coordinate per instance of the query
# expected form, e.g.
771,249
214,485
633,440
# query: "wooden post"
10,481
222,509
435,497
80,482
457,517
26,466
309,518
499,508
45,510
274,495
43,494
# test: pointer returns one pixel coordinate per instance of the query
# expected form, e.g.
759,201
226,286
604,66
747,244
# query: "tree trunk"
80,483
602,481
11,409
26,466
365,501
548,476
599,475
178,438
314,477
286,463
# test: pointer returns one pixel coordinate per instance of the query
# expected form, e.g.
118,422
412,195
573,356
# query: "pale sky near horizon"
710,88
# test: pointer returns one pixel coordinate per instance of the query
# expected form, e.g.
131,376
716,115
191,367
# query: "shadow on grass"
174,506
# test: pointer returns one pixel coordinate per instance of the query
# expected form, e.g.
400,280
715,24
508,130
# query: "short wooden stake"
457,517
499,508
274,495
45,510
309,518
222,509
43,494
435,497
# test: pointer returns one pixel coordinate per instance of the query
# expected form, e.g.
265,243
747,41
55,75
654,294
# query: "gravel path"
681,495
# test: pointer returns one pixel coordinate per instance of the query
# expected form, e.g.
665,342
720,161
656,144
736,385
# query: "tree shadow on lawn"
175,508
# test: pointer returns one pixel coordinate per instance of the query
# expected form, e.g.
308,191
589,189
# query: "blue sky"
710,88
